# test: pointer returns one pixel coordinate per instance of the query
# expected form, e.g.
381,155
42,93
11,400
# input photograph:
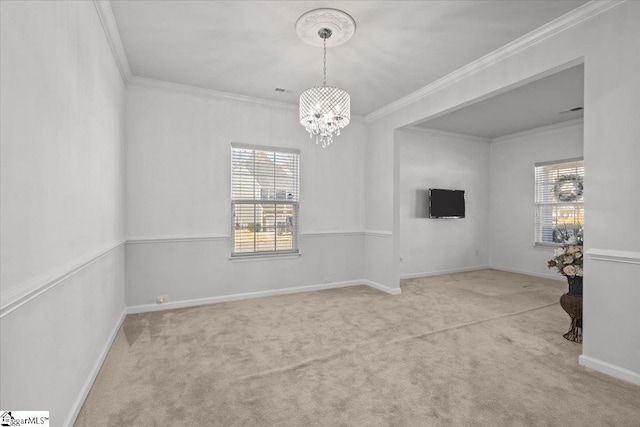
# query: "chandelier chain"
324,60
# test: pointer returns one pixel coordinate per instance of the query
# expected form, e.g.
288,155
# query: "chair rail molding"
337,233
176,238
612,255
378,233
213,237
32,288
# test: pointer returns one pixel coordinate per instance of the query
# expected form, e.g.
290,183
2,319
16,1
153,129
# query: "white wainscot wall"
54,344
191,272
616,277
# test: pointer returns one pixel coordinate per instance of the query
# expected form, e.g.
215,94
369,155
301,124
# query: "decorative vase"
575,285
571,302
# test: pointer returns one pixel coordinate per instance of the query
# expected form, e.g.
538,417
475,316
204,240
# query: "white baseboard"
440,272
237,297
609,369
84,392
551,276
589,362
383,288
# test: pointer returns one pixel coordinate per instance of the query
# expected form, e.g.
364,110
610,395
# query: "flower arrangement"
568,260
569,236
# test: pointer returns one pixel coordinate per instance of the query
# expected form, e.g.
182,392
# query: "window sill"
546,246
249,258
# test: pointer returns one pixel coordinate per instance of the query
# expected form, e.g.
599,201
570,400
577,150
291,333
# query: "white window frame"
545,198
268,197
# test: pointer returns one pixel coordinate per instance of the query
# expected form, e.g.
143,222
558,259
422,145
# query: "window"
559,201
264,200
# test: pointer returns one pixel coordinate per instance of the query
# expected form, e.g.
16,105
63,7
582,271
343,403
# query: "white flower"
569,270
558,252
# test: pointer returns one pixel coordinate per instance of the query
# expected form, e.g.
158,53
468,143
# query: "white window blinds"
559,201
264,200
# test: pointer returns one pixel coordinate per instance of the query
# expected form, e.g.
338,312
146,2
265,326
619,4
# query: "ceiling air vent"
571,110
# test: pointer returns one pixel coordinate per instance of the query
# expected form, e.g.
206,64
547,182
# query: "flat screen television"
446,203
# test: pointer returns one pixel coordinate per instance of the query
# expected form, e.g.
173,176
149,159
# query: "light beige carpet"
472,349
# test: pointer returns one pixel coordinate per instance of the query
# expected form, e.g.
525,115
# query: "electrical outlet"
161,299
327,280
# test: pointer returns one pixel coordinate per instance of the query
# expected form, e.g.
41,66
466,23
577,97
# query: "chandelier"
324,110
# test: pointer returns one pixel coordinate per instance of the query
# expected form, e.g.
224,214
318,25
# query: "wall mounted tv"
446,203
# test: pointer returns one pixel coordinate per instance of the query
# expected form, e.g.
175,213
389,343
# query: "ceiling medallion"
324,110
341,24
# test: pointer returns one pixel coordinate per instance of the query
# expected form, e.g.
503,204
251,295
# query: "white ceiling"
251,47
527,107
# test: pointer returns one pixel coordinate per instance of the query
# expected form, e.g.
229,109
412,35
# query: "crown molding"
163,85
550,29
148,83
547,128
110,27
103,7
446,134
108,21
